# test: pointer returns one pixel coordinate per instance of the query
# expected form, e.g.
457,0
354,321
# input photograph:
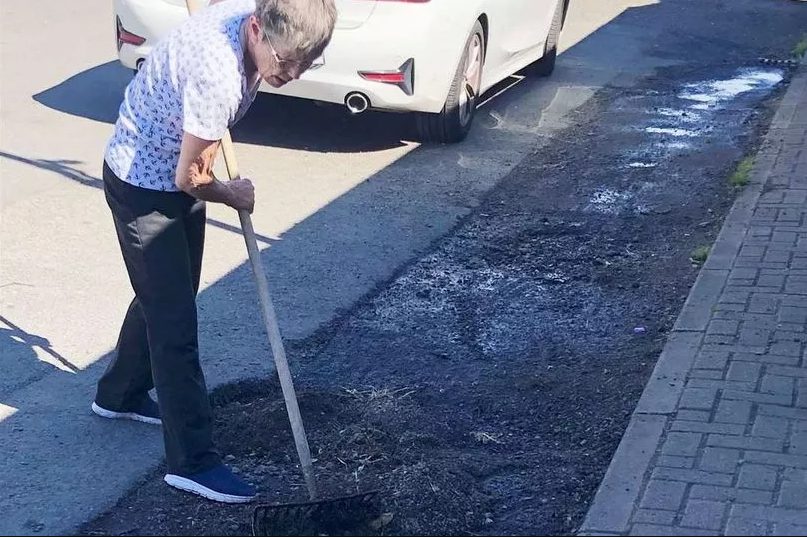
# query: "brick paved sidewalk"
718,442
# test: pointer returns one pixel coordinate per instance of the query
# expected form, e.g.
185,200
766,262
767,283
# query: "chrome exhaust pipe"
357,102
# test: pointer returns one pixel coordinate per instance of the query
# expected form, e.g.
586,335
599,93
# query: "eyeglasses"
304,66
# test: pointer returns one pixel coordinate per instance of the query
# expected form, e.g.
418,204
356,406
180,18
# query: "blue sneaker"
219,484
147,412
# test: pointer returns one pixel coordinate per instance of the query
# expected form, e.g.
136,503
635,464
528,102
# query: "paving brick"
766,358
761,231
729,306
801,400
715,459
731,494
743,526
783,412
786,348
769,398
769,427
790,529
663,495
777,459
773,281
719,339
700,427
787,371
657,529
744,273
792,327
795,197
692,476
734,297
777,384
692,415
674,461
745,442
762,304
721,384
760,320
682,444
767,265
798,443
784,334
732,312
697,398
744,371
788,215
765,214
793,495
760,291
776,196
711,360
795,474
776,256
757,476
769,514
724,327
654,516
704,514
750,335
797,287
733,412
711,374
785,237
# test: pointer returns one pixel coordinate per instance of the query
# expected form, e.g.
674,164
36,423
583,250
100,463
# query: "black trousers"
161,236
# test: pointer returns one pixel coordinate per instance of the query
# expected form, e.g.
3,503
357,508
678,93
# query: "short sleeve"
210,98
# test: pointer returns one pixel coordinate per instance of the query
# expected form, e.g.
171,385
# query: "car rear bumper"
347,55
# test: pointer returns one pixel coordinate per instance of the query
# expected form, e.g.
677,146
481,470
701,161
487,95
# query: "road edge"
615,500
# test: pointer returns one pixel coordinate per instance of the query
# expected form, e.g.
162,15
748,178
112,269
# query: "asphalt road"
338,215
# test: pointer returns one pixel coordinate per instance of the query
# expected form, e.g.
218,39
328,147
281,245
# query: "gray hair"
304,26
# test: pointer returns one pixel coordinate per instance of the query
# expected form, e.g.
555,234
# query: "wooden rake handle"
269,317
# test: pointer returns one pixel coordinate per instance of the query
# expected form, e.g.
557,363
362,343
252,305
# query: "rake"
310,517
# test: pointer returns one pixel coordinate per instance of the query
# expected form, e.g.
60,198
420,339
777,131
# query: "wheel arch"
481,18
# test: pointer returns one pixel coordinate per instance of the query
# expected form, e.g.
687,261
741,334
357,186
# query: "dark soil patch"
485,389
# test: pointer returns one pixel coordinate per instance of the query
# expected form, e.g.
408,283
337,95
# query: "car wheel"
546,65
453,123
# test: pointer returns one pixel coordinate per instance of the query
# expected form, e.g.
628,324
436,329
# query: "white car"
433,58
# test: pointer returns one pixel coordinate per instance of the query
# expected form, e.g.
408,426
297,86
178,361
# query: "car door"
517,27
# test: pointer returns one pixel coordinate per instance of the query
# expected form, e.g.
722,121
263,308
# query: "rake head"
328,516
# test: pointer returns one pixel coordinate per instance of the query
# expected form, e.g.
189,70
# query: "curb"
611,510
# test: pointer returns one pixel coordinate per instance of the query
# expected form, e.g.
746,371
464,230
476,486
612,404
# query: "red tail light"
389,78
403,76
125,36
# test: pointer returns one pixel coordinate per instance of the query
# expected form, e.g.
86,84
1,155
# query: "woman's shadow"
19,360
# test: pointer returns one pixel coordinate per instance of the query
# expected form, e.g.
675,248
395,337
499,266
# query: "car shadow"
272,121
293,123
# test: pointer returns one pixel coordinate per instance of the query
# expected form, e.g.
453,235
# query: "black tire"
546,65
452,124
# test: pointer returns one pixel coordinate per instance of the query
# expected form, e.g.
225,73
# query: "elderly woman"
197,82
